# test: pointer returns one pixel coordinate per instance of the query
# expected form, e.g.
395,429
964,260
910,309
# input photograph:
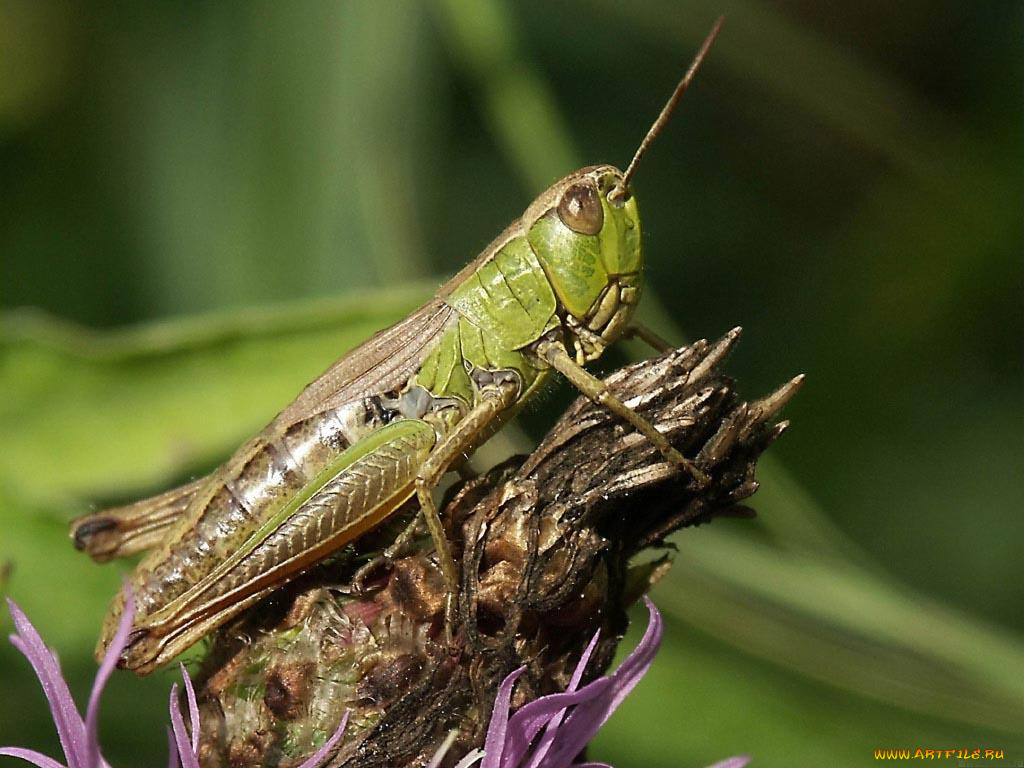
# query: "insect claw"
362,583
700,478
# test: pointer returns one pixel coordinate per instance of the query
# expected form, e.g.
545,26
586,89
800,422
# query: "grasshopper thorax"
585,231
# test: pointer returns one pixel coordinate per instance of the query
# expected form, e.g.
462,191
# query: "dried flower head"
549,732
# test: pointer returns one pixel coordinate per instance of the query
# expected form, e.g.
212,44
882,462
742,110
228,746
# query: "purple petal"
733,762
577,674
585,720
114,649
189,759
556,720
30,756
173,761
193,709
318,757
70,728
494,743
528,721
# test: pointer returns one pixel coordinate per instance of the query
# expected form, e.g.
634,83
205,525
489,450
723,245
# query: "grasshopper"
385,423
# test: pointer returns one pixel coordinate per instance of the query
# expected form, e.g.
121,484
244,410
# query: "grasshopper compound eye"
580,209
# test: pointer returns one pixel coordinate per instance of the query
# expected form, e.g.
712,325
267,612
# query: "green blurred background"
203,204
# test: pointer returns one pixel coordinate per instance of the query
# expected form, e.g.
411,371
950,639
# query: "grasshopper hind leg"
367,485
446,455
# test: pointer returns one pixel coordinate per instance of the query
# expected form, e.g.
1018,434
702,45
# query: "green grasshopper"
390,418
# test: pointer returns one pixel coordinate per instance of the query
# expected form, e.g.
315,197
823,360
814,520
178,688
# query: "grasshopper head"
585,230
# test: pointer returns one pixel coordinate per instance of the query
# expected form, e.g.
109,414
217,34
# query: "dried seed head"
544,546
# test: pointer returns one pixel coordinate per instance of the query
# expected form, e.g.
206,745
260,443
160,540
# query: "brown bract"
545,545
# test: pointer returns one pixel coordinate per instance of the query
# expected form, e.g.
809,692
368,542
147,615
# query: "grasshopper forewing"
391,417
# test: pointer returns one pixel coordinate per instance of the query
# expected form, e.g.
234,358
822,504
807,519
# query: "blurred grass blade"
225,201
848,627
523,114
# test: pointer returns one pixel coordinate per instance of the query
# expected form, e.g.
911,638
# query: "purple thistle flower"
552,730
78,737
546,733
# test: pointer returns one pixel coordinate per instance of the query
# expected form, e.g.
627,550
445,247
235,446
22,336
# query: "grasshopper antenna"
621,188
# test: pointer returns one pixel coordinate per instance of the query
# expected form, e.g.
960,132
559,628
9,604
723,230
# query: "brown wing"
383,363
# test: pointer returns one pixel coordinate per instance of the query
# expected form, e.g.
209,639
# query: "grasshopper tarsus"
700,478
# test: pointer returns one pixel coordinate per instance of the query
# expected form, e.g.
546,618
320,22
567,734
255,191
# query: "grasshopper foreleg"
646,335
595,389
